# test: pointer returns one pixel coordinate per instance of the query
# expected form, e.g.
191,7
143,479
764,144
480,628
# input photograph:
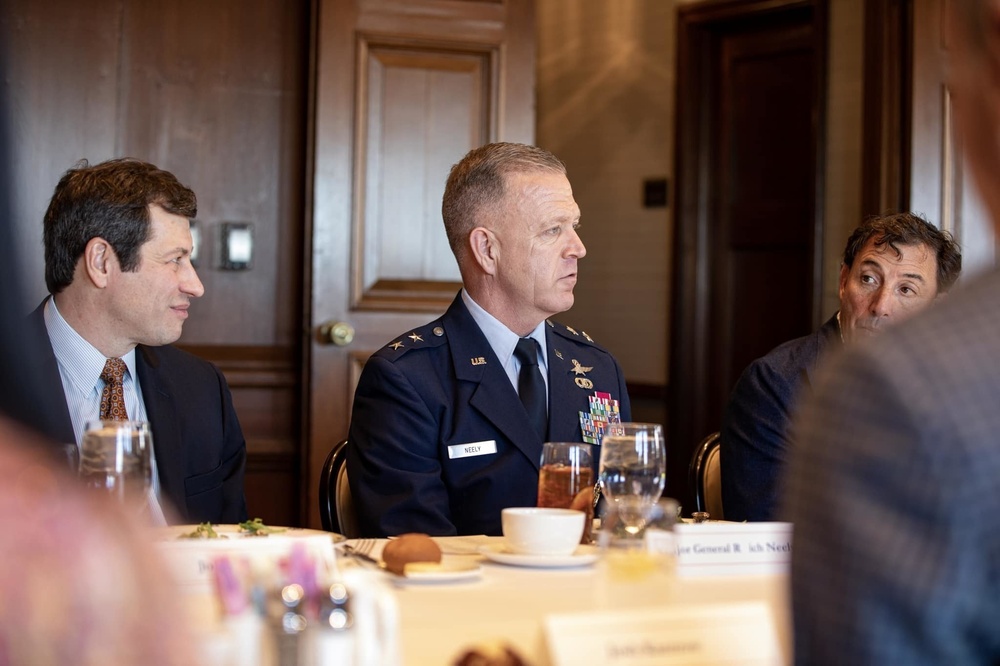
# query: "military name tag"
471,449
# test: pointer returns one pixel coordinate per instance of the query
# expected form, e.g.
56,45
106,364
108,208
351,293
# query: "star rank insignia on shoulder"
415,337
571,333
396,345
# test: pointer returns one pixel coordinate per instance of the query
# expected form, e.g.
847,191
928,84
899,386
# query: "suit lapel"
161,411
494,397
60,422
565,397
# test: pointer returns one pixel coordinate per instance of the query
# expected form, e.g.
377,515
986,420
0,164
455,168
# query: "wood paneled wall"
215,92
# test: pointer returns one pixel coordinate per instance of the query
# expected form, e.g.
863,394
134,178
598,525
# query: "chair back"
336,507
706,477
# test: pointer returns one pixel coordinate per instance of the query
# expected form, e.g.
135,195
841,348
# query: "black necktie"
531,386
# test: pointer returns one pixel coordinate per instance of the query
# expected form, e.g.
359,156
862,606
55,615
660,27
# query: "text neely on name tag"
736,633
733,548
485,447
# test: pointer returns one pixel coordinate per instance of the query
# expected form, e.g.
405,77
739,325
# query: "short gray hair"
478,183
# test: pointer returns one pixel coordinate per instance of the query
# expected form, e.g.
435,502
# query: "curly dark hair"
109,200
909,229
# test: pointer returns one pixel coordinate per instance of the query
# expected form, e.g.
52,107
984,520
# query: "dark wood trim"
821,30
306,360
252,366
699,27
639,391
888,84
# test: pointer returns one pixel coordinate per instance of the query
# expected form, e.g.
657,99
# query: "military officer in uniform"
449,418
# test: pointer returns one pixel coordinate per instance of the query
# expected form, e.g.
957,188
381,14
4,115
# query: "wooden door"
749,203
939,186
913,159
403,89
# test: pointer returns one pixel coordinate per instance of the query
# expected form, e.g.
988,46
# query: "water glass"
115,459
566,480
69,455
631,554
633,471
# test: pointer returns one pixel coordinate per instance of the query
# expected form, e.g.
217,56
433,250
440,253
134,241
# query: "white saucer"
445,572
581,557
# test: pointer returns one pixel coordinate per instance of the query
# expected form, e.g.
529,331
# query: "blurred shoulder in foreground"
79,585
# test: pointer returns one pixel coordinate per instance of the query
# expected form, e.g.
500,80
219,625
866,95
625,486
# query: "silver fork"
362,549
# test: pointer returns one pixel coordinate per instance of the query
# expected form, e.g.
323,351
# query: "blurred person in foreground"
893,483
893,267
78,585
118,267
441,438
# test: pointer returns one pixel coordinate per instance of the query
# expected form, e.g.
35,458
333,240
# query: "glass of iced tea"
566,480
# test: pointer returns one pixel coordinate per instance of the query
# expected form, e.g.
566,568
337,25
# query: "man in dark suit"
445,432
118,267
893,267
892,484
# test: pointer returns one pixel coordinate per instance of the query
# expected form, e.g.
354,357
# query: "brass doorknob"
336,333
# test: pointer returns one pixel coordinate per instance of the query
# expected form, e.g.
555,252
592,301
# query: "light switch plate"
236,246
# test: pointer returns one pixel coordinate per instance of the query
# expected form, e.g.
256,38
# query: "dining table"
509,602
482,597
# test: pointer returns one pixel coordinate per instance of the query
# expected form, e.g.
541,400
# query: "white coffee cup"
542,531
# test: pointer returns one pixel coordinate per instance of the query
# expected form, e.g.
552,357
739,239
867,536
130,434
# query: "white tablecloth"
438,621
507,603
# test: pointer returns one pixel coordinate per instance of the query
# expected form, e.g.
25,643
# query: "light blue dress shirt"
503,341
80,367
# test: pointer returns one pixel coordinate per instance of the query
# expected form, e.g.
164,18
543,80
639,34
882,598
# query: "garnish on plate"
203,531
256,527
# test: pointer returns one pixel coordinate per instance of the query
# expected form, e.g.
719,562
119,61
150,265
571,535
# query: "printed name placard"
733,548
483,448
736,633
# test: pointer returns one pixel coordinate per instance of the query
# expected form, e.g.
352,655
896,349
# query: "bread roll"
408,548
490,654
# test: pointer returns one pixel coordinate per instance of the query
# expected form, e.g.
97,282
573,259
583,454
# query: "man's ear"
845,272
97,261
484,249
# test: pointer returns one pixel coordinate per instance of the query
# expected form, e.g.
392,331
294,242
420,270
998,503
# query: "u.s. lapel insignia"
580,369
397,344
572,331
416,338
479,360
589,339
558,354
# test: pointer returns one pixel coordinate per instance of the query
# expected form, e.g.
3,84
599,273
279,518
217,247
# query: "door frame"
699,27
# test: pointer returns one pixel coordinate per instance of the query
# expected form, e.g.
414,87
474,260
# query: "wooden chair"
336,507
706,478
